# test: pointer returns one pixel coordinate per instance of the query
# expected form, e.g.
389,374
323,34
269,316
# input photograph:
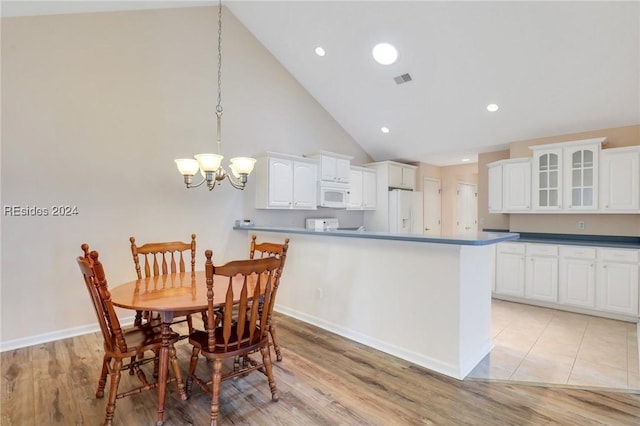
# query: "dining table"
173,295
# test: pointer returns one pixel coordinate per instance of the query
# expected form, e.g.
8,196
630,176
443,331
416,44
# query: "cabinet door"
577,282
356,190
495,189
510,274
516,184
343,170
304,185
619,180
618,288
369,190
581,175
547,180
541,278
395,176
409,178
280,183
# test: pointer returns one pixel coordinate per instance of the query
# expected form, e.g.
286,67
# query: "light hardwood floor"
323,380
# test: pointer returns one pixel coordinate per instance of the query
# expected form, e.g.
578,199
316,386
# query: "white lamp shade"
242,165
187,166
209,162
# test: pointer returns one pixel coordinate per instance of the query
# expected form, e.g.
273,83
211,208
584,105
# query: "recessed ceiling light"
465,160
384,130
492,107
320,51
384,53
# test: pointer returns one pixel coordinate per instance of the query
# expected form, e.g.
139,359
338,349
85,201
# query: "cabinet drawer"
541,250
618,255
515,248
577,252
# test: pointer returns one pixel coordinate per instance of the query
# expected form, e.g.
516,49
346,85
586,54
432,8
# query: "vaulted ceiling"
551,67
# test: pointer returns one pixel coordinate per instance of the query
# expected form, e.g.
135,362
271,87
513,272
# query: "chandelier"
210,165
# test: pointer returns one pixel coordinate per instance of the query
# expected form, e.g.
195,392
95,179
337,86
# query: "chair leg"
173,359
276,345
266,360
113,392
216,378
102,382
190,323
192,368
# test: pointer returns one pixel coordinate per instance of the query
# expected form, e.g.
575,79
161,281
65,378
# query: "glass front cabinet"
547,180
565,178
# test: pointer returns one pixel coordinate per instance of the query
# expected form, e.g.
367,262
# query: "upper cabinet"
516,185
402,176
333,167
286,182
565,176
581,180
362,184
620,180
510,186
547,180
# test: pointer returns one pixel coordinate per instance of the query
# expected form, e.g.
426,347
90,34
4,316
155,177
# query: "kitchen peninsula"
424,299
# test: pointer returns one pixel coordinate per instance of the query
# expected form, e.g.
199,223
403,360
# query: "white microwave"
333,195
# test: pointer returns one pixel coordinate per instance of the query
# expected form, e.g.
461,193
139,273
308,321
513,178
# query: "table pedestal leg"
163,373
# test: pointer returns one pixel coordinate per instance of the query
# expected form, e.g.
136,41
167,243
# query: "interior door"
467,208
432,206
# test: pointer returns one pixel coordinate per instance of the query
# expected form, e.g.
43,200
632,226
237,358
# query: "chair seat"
200,339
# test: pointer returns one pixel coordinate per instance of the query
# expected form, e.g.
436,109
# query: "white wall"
95,107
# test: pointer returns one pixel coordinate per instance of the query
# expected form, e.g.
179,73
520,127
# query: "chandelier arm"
237,185
189,185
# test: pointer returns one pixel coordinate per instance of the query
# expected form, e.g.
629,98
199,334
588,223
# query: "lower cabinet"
510,269
595,280
577,280
618,281
541,272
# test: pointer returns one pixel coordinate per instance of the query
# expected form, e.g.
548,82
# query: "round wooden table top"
183,291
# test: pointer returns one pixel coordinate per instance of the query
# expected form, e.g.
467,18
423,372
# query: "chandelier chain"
219,106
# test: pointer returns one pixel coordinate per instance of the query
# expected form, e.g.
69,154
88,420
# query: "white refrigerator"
405,212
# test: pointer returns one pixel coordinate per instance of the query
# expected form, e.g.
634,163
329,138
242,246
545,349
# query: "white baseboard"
408,355
38,339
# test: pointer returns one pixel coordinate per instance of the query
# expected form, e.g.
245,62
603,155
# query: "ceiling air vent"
404,78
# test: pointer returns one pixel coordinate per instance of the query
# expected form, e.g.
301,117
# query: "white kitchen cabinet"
362,195
510,267
565,176
333,167
618,281
386,176
285,182
510,186
495,187
516,185
620,180
547,180
402,176
541,272
577,279
581,176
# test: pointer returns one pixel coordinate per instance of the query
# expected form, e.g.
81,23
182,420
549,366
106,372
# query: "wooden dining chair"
121,345
161,259
270,249
231,333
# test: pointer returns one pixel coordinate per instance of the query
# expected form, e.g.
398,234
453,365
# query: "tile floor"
534,344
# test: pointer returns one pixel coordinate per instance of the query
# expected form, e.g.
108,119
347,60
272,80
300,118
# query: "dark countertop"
477,239
612,241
